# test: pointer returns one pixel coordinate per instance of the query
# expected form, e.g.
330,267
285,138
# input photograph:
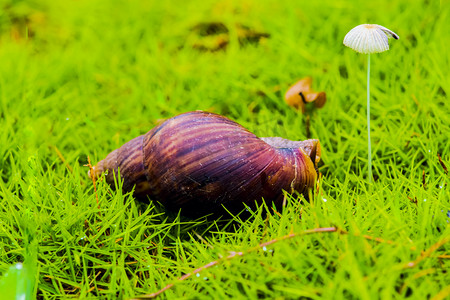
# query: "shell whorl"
200,160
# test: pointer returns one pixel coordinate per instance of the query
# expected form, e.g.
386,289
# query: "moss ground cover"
80,78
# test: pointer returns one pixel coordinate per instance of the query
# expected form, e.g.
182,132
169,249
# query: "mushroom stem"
369,156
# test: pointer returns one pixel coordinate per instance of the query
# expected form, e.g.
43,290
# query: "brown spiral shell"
199,160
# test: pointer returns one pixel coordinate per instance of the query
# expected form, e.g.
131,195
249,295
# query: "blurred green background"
86,76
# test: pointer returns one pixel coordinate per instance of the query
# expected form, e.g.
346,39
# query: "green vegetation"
80,78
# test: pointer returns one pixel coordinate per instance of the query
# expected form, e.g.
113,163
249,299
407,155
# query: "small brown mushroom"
301,93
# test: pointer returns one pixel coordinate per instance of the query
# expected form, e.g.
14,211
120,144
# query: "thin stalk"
369,157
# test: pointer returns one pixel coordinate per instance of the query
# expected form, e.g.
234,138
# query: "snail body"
198,161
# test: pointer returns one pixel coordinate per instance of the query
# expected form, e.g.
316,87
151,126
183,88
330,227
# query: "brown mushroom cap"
301,93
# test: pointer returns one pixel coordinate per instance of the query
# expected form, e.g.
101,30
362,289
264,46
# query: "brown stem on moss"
442,164
234,254
92,175
427,253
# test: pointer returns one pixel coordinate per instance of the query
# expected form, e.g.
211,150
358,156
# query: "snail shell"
199,160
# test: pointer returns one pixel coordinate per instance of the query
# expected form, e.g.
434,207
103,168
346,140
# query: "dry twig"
234,254
92,175
427,253
442,164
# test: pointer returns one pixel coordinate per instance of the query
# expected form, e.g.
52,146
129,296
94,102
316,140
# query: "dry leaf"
301,93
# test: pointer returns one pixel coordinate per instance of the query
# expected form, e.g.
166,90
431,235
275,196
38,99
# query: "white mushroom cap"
369,38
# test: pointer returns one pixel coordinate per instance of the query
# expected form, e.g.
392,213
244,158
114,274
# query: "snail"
198,161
